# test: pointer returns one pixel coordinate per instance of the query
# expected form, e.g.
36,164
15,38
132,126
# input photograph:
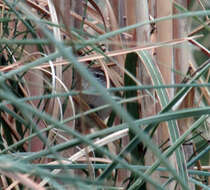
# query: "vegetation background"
155,59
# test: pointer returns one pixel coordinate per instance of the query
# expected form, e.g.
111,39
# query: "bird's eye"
98,75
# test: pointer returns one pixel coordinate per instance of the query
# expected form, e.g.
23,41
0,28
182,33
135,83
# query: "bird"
93,99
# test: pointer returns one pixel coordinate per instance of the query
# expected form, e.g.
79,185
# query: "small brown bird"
93,100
